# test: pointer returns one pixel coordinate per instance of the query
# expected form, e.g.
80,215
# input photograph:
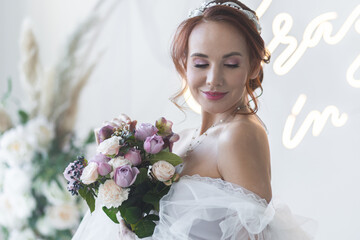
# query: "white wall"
318,178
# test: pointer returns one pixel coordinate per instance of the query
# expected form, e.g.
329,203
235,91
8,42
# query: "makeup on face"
213,95
217,67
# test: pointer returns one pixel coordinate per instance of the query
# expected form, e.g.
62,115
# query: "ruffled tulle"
203,208
206,208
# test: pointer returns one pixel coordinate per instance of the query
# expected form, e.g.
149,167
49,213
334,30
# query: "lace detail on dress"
228,187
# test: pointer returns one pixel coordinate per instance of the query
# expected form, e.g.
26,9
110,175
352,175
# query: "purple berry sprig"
73,173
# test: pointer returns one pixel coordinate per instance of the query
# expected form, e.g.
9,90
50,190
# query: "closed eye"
232,65
201,65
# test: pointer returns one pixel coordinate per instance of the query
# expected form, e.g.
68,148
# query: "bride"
225,187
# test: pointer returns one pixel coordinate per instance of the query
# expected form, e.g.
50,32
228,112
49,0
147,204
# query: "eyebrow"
225,56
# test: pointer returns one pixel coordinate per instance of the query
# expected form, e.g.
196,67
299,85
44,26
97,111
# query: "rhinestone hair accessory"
200,11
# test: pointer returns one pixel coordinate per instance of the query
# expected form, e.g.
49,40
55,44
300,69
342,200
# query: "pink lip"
214,95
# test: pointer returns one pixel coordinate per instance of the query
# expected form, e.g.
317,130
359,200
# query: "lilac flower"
73,173
104,167
164,126
144,130
133,155
173,138
153,144
105,133
125,175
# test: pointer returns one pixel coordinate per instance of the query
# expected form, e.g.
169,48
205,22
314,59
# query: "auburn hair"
256,45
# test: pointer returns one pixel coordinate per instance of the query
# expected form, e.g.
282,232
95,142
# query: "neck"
208,120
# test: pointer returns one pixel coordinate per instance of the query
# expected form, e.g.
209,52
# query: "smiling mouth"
214,95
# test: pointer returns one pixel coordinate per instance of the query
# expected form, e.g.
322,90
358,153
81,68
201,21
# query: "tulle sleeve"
206,208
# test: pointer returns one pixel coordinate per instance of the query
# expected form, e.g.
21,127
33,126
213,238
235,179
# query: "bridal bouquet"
132,170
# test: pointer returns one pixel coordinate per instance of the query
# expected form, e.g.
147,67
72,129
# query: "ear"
255,72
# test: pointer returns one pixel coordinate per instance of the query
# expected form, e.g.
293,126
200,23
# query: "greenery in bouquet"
37,136
132,170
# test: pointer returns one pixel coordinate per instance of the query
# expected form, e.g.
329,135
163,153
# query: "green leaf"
152,217
166,156
7,93
90,138
89,198
131,214
111,213
153,199
142,176
24,117
144,228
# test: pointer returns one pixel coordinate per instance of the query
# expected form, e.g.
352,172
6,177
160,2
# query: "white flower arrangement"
34,202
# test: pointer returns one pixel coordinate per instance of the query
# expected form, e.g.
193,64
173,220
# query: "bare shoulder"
244,157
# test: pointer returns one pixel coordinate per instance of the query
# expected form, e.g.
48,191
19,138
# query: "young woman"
224,191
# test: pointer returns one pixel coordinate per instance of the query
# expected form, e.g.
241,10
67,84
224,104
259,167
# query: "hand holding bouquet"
132,170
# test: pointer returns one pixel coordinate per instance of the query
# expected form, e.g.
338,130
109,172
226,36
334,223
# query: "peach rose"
163,171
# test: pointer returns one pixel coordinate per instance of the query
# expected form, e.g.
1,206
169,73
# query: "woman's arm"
244,158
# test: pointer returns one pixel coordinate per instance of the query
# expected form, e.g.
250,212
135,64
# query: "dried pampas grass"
30,68
54,93
5,120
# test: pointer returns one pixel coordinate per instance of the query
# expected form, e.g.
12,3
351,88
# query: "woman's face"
217,67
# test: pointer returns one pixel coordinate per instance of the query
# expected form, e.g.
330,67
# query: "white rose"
109,146
26,234
54,193
2,175
17,181
90,173
16,147
63,216
118,162
111,195
41,131
15,209
163,170
44,227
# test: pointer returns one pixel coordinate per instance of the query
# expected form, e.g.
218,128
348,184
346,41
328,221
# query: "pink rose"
125,175
104,168
144,130
153,144
133,155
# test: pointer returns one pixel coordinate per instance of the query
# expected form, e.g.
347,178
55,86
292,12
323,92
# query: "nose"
215,77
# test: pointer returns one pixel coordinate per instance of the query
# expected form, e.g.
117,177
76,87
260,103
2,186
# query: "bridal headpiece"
199,11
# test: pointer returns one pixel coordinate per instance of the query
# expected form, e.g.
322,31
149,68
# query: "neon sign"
316,118
319,28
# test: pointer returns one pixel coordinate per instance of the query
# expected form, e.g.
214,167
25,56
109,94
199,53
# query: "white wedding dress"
203,208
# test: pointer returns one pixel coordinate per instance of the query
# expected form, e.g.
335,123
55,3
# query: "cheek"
237,80
193,79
